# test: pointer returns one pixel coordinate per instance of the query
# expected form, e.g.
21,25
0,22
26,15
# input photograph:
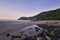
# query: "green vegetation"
49,15
51,27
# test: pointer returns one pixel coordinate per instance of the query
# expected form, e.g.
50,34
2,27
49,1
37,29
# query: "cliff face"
48,15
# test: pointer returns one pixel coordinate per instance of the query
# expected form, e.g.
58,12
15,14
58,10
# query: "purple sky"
13,9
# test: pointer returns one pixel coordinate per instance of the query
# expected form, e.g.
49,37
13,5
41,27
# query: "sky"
14,9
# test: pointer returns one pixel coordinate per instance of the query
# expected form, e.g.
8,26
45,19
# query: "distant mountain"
47,15
23,18
27,18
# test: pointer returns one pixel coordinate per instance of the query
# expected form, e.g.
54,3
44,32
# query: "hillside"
47,15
